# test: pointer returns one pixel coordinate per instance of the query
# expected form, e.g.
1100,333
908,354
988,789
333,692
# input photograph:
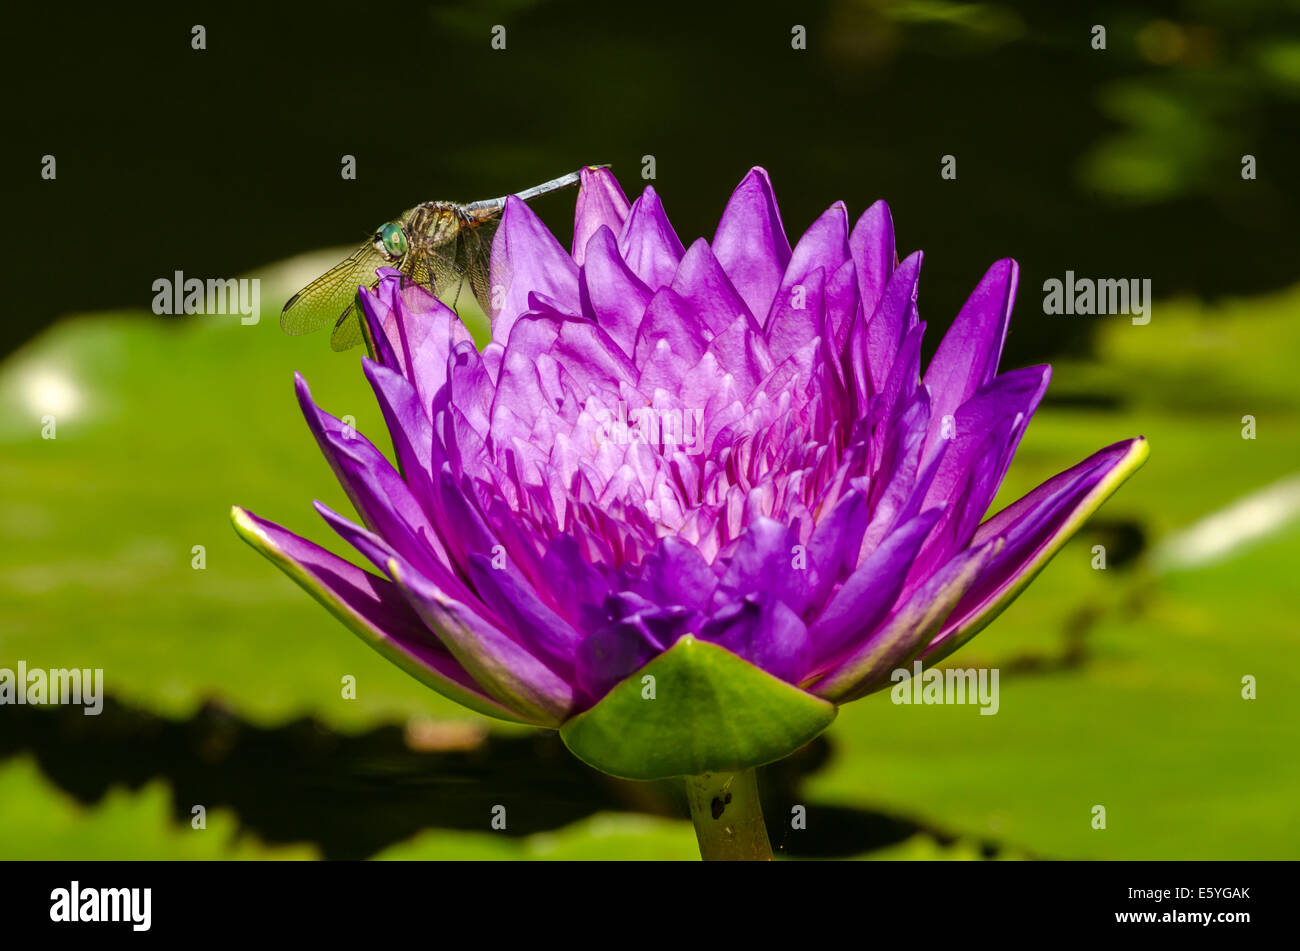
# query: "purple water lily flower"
728,450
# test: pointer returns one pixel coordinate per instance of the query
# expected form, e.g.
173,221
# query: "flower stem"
728,817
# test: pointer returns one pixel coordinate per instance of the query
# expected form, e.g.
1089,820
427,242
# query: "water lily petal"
722,463
859,606
703,284
892,318
601,204
908,630
501,667
750,243
1035,528
535,625
612,294
648,242
968,355
526,259
377,490
871,245
373,609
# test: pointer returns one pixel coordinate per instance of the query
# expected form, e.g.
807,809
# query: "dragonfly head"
390,240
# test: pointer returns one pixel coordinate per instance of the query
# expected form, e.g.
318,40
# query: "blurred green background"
1120,687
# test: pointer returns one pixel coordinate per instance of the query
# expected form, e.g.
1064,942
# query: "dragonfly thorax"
437,223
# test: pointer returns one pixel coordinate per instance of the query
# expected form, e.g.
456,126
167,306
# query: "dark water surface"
216,161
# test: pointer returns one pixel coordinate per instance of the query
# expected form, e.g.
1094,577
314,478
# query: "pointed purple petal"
612,294
892,319
824,246
750,243
968,355
377,491
859,606
983,436
372,608
871,245
601,204
648,242
703,284
1035,528
502,667
908,629
526,259
545,634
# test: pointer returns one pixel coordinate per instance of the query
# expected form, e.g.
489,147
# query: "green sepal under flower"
704,710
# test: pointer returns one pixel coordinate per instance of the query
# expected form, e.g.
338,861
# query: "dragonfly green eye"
391,239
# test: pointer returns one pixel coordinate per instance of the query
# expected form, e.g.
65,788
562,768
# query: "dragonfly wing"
347,331
474,259
328,299
438,269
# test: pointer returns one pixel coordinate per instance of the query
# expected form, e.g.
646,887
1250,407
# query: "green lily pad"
40,822
604,837
696,708
162,424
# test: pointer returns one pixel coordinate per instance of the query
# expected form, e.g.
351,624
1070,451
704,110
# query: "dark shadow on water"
354,795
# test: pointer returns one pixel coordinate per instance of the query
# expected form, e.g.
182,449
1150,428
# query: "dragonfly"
439,245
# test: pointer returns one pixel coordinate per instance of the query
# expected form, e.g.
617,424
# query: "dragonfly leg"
456,300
